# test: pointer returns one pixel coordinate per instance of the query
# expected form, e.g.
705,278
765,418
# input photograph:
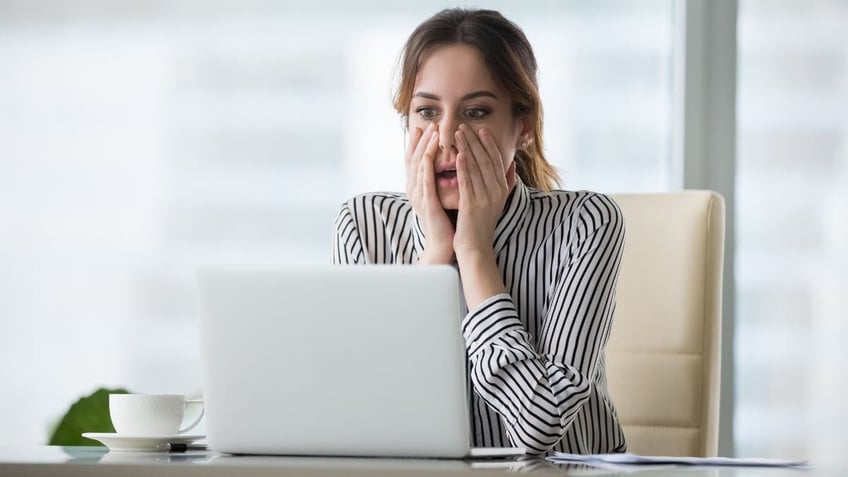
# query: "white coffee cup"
148,415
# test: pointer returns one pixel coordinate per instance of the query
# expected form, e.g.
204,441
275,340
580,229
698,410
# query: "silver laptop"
335,360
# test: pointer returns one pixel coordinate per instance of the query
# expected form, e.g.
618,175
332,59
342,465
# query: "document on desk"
634,459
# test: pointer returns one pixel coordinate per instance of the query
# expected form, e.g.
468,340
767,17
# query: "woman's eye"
426,113
476,113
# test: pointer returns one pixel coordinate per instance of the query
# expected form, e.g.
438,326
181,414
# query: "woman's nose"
447,129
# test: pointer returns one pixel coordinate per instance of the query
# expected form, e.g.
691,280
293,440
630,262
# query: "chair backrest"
663,357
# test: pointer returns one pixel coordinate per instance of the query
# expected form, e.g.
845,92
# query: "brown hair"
510,59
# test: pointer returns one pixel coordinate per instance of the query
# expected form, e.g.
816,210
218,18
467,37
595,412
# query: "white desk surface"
96,461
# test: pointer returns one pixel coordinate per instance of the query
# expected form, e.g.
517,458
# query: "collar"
511,219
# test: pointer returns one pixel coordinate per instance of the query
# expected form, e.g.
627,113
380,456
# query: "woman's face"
454,87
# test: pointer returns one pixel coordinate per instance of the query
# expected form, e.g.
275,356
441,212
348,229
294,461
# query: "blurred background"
140,140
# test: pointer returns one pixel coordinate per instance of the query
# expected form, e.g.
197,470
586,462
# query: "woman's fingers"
424,168
477,180
487,142
431,145
417,144
420,177
466,186
483,153
413,160
414,138
466,189
475,183
429,194
411,166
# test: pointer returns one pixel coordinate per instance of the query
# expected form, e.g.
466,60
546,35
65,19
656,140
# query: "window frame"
703,142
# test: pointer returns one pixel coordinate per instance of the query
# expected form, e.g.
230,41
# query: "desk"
96,461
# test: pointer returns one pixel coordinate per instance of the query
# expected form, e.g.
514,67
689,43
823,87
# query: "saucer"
118,442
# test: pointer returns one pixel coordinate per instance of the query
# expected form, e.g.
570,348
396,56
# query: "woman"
538,266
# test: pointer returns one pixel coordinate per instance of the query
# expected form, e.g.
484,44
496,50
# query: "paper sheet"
633,459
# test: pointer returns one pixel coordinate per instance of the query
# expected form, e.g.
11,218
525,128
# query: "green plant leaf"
88,414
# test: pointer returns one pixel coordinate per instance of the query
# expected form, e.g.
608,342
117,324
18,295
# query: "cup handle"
196,421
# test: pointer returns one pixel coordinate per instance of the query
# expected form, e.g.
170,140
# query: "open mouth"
449,173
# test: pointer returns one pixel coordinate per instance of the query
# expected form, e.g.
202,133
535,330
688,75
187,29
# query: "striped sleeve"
347,244
539,389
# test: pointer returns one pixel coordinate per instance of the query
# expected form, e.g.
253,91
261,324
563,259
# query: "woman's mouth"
447,177
449,173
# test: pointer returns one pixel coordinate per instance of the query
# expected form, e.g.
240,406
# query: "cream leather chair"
663,357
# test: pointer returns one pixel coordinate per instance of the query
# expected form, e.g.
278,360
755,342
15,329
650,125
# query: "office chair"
663,356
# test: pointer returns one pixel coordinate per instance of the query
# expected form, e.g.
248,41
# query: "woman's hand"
484,187
421,190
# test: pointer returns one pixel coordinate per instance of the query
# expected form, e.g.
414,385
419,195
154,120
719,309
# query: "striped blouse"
536,353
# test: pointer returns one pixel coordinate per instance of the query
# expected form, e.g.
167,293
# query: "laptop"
336,361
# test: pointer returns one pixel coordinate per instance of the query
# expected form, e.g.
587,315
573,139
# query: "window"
144,139
792,249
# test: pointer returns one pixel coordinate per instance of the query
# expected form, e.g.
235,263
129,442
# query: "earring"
524,145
